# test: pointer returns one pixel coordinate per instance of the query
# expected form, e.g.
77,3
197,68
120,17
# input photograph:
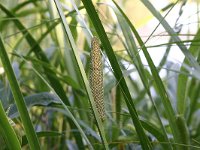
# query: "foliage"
45,65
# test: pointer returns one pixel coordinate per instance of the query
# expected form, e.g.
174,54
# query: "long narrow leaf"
117,71
161,89
19,100
138,63
41,56
7,131
183,79
65,107
171,32
81,69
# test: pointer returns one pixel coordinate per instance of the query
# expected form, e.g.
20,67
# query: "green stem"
7,131
19,100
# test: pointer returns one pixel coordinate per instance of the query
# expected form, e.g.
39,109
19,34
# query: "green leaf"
133,52
160,86
7,132
117,71
41,99
66,111
171,32
41,56
81,71
41,134
183,79
19,100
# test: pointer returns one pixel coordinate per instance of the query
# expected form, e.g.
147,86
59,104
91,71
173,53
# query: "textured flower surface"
96,77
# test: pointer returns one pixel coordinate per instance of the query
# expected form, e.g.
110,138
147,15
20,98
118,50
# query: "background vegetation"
46,101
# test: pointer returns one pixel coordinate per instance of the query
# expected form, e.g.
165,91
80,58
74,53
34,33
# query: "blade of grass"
118,103
39,53
68,62
42,134
20,5
41,56
171,115
81,70
137,62
7,131
163,60
50,28
155,131
58,35
171,32
183,79
193,96
117,72
65,107
19,100
192,89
